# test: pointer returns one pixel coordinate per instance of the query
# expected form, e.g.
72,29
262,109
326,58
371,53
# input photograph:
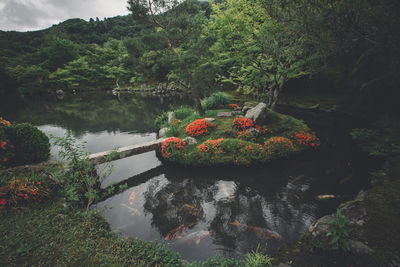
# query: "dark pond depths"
201,212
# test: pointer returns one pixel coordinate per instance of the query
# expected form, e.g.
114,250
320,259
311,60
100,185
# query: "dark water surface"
202,212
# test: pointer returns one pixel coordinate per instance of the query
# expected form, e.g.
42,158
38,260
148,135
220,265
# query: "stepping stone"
224,114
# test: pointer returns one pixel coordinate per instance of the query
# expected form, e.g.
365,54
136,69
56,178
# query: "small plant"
198,127
21,190
304,139
242,124
81,184
339,232
257,259
6,149
211,147
184,112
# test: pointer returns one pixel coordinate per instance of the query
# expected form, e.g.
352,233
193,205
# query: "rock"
210,119
323,197
60,92
321,226
245,109
224,114
258,114
253,130
171,117
355,211
162,132
359,247
190,140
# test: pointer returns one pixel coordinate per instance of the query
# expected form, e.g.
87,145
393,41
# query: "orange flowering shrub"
234,106
242,123
211,147
6,148
198,127
22,190
4,123
278,146
172,145
304,139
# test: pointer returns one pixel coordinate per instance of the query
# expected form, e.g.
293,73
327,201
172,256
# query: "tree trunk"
275,93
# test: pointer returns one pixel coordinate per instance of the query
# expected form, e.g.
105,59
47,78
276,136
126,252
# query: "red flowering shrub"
4,123
198,127
247,136
304,139
234,106
211,147
6,148
172,145
242,123
278,146
22,190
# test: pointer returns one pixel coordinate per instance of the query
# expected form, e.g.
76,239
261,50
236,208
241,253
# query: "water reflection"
201,217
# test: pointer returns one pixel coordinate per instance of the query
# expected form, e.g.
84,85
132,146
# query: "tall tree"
176,21
260,52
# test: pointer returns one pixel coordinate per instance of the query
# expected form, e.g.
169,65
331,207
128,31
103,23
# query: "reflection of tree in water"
177,204
94,112
237,216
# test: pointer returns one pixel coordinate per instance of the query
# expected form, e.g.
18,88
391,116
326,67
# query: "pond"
201,212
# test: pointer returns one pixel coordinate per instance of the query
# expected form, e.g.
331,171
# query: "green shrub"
215,100
184,112
31,144
162,120
217,261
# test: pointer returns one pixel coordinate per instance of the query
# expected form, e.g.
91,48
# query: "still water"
201,212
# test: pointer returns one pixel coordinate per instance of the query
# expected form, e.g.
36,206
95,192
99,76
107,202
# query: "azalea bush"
211,147
242,124
278,146
199,127
22,190
173,148
304,139
6,148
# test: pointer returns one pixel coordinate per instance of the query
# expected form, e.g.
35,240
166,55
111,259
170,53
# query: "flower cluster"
234,106
304,139
256,149
278,146
22,190
242,123
4,123
247,136
211,147
171,145
198,127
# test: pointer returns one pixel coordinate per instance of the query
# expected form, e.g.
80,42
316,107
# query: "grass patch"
48,234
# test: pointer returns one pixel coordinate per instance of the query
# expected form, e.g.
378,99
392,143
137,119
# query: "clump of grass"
215,100
257,259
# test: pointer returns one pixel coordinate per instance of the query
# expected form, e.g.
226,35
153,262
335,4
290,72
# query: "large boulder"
190,140
258,114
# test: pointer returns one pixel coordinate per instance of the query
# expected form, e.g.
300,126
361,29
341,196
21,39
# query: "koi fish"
189,206
132,198
322,197
260,232
175,233
132,211
195,237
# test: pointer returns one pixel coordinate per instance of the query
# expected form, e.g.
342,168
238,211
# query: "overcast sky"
30,15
